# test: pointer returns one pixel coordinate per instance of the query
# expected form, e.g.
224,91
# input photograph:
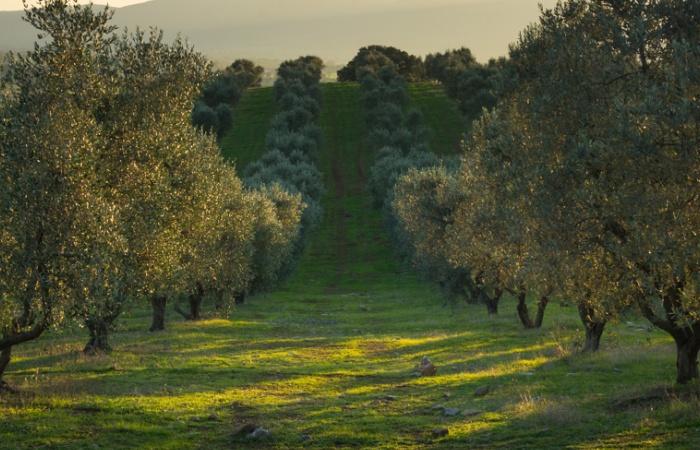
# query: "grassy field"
328,361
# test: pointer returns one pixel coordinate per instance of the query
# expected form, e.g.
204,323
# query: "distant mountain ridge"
280,29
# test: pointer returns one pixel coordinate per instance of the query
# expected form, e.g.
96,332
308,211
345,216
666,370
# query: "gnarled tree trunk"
195,304
5,356
541,306
99,335
686,335
687,348
98,326
159,303
491,302
524,313
594,328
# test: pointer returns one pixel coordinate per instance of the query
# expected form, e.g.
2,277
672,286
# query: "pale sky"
16,5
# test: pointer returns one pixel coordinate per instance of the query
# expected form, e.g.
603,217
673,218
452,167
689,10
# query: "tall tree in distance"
375,56
247,73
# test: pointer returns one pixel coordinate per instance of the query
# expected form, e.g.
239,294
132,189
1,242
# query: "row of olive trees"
109,193
468,82
583,182
400,142
292,141
213,111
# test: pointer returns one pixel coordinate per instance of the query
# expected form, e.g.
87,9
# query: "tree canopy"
109,193
583,180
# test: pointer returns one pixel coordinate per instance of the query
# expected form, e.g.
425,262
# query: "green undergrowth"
245,142
328,360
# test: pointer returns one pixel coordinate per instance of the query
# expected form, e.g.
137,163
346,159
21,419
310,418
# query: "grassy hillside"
327,362
245,142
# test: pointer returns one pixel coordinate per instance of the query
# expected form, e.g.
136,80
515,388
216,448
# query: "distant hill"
280,29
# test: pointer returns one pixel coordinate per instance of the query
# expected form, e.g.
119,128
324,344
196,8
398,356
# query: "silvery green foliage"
401,143
104,178
592,154
292,141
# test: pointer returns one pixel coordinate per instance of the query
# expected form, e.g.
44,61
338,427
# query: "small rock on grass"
483,390
471,412
440,432
450,412
214,417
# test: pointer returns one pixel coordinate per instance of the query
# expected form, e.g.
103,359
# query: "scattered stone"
471,412
447,395
261,434
570,374
304,438
483,390
195,419
527,374
214,417
438,408
389,398
416,374
427,367
450,412
364,308
440,432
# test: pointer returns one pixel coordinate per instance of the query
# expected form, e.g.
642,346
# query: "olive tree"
595,139
61,238
108,186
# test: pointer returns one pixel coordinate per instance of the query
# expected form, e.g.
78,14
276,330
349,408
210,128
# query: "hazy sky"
331,29
16,5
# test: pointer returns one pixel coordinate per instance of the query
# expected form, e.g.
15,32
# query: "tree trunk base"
99,336
687,359
159,304
594,328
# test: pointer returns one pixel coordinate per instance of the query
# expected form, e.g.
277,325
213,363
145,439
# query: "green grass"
245,142
331,356
441,115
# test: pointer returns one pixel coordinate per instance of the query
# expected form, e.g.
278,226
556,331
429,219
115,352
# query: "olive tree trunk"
687,348
99,324
5,356
159,303
524,313
491,302
594,328
99,335
195,305
686,334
